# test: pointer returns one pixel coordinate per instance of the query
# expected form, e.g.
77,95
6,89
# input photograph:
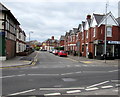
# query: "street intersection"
60,76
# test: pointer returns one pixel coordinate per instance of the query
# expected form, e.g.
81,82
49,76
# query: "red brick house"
62,41
82,39
89,37
66,41
71,40
50,44
97,33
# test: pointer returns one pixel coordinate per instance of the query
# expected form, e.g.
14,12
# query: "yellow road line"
72,59
86,62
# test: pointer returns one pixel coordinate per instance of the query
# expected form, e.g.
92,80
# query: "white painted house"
20,41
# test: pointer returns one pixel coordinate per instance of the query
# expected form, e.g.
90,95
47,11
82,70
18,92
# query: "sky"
46,18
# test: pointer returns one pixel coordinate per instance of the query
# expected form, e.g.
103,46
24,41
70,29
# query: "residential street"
54,75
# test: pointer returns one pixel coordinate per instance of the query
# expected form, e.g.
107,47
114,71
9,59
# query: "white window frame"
109,31
94,32
87,34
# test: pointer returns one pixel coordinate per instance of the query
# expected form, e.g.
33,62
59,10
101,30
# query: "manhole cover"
68,79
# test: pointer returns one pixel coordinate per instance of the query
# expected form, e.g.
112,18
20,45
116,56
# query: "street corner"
17,64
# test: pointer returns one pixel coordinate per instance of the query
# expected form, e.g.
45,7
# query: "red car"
62,53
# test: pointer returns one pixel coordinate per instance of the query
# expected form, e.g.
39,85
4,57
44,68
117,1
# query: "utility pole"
105,38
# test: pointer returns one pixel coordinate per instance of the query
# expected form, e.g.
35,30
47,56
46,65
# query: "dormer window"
109,31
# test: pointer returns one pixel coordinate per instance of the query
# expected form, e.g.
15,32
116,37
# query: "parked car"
62,53
43,50
50,51
55,52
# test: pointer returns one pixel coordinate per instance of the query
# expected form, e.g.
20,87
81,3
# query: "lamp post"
29,35
105,38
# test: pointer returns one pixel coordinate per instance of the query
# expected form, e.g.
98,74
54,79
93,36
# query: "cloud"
54,18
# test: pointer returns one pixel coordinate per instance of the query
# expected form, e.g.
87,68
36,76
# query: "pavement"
20,61
115,62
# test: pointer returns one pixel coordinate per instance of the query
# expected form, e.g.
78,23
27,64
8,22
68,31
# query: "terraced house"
9,26
50,44
20,41
90,37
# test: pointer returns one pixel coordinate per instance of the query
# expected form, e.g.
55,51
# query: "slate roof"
75,30
83,24
70,32
79,26
5,10
98,17
118,20
62,37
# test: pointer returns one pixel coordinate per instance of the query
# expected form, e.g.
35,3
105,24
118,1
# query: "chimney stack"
88,16
52,37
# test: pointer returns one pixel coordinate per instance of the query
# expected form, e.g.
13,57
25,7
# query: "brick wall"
10,48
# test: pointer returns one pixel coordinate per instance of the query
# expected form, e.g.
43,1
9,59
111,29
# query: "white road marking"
94,71
21,75
42,74
52,94
90,89
74,91
78,72
77,66
117,85
12,76
67,73
71,73
98,84
113,71
104,87
49,89
116,81
116,90
22,92
7,76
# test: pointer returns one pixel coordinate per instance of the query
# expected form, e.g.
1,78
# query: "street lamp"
105,38
29,35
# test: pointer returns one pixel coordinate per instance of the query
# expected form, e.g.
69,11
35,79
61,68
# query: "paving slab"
115,62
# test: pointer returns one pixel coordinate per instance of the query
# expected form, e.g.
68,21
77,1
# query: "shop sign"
72,44
95,42
113,42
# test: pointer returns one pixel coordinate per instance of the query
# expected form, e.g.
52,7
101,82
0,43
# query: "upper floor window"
82,35
109,31
87,34
94,32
